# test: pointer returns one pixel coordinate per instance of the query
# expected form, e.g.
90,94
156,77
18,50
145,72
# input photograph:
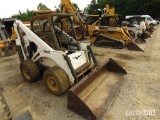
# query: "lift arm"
68,7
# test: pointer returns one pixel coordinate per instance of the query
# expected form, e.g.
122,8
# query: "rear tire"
29,70
56,80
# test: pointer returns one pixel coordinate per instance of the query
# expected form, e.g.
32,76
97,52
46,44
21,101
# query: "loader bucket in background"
150,30
9,51
134,47
147,34
92,95
141,39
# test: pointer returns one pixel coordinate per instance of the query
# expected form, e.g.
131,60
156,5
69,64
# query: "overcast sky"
10,7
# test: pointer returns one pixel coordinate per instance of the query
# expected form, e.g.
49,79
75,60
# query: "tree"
42,7
93,7
127,7
59,8
76,6
25,16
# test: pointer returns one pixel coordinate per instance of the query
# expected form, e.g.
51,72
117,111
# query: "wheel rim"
51,82
25,72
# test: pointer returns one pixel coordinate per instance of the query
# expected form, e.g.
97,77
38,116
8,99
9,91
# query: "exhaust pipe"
92,95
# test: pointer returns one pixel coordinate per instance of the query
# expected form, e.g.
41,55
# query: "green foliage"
25,16
93,7
76,6
127,7
122,7
59,8
42,7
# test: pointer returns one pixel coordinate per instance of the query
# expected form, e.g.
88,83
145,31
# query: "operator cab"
8,23
53,29
109,21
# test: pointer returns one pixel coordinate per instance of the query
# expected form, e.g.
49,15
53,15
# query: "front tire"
29,70
56,80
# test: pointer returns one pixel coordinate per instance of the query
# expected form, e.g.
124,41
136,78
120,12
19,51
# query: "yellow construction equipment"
106,32
90,19
80,25
39,12
102,34
7,37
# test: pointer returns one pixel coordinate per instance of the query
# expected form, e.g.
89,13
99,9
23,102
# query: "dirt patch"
125,56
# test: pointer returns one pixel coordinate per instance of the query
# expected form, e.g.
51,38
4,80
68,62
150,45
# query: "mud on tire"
56,80
29,70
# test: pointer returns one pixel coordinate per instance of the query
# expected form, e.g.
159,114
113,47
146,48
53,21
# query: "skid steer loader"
108,34
138,26
7,39
67,64
79,24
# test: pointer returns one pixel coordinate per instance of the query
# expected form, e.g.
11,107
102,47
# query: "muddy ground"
140,91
